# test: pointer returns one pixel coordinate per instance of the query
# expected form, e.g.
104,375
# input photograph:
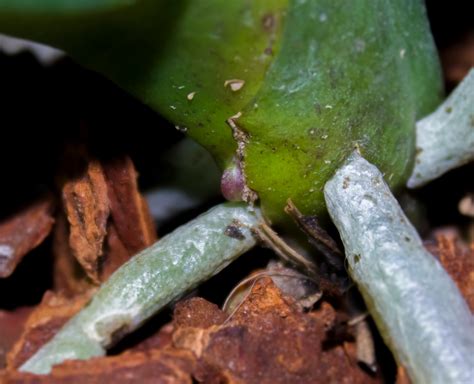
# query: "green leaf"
348,75
320,78
60,6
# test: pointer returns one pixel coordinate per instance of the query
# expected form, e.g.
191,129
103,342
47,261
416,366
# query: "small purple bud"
233,182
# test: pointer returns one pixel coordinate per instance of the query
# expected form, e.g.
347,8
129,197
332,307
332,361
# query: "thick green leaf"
60,6
321,77
349,75
162,51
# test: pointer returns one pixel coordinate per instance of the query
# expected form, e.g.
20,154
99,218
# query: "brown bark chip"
197,312
115,254
153,367
458,260
109,220
69,276
11,327
129,210
267,340
24,231
86,204
42,325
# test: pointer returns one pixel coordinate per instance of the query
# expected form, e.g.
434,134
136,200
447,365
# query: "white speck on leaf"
190,96
234,84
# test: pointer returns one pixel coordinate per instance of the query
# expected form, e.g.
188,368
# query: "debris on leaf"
234,84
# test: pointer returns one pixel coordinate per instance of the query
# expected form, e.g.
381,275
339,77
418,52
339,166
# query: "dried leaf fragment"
302,288
23,232
317,236
365,345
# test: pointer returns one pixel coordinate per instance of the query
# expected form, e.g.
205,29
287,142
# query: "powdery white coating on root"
149,281
445,139
417,307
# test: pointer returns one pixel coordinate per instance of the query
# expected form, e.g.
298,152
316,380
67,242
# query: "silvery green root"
149,281
445,139
417,307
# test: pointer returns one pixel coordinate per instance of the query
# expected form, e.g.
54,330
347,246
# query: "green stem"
417,307
161,273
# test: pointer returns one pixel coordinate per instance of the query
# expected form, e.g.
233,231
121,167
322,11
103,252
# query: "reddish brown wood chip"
91,192
42,325
87,208
23,232
267,340
197,312
458,260
155,366
11,327
130,214
115,254
69,276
